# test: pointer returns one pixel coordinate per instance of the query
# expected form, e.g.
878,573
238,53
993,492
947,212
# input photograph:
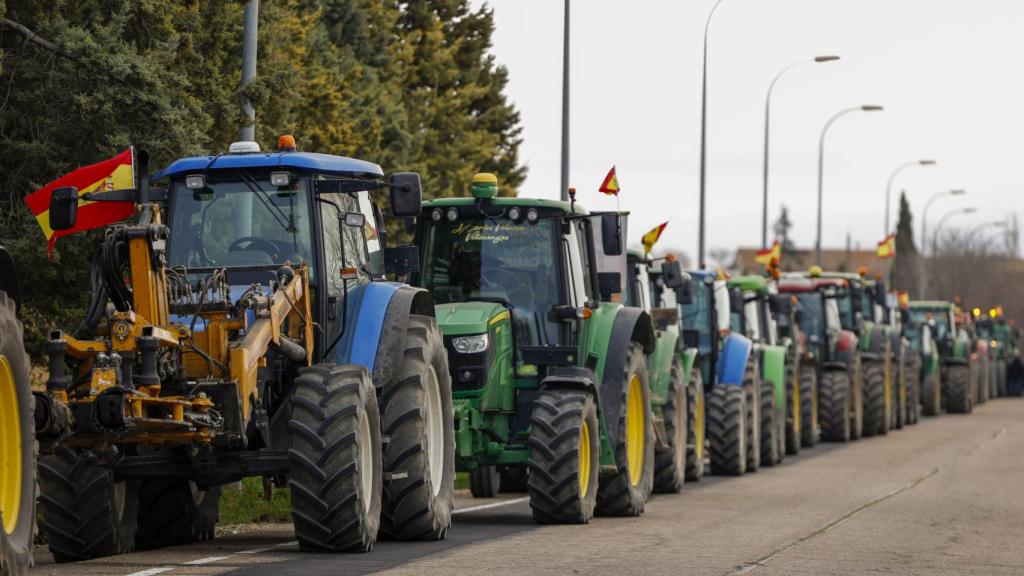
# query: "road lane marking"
152,571
492,505
255,551
207,560
292,543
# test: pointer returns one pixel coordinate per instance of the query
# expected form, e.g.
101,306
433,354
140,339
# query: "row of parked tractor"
248,322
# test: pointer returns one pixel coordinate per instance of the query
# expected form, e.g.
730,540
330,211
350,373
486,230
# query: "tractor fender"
870,356
876,339
955,361
689,356
846,347
835,366
406,300
571,377
660,362
732,362
630,325
773,368
9,277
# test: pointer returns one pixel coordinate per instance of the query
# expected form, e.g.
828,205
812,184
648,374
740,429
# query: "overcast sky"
947,71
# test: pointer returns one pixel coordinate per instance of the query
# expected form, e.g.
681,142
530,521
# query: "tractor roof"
306,161
508,201
750,282
931,304
801,282
849,276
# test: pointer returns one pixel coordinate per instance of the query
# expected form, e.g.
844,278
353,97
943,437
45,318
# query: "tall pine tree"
903,265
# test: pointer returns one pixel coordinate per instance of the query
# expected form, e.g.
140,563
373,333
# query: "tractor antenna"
572,200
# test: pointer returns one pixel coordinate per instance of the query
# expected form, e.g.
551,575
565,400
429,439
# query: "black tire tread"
554,477
834,406
727,434
958,390
670,464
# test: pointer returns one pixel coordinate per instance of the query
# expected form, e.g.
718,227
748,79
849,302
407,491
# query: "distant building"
800,260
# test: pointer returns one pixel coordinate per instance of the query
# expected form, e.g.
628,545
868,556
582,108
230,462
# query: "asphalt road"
943,497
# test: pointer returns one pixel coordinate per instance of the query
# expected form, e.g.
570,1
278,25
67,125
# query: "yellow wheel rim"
699,428
10,448
584,459
635,430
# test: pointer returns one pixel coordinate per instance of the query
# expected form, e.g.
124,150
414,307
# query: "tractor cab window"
812,315
942,325
371,231
722,312
346,262
498,260
768,326
240,219
639,285
846,310
697,314
833,316
751,319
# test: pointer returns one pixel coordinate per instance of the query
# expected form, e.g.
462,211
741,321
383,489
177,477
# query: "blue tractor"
730,375
242,326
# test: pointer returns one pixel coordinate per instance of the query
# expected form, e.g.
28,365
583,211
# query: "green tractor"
658,288
17,432
999,334
774,412
907,379
947,382
550,378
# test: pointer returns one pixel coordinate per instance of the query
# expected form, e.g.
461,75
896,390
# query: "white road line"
255,551
207,560
153,571
493,505
292,543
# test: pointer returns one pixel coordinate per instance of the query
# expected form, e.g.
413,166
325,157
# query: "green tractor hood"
468,317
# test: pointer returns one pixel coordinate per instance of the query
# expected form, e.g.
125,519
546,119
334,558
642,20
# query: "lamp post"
767,119
703,137
924,236
564,191
947,216
821,164
892,178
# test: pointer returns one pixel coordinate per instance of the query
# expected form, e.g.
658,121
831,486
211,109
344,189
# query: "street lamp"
821,164
563,193
947,216
703,137
767,117
888,186
924,235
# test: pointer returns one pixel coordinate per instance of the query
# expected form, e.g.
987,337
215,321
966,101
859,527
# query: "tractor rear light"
452,214
470,344
195,182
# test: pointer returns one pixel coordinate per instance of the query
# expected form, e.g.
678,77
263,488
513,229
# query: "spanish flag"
610,185
652,237
114,174
769,256
887,247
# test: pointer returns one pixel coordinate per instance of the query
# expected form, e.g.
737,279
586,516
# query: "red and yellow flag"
652,237
769,256
113,174
887,247
610,185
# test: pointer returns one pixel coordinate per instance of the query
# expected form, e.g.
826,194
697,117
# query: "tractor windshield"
812,315
501,261
697,314
239,219
942,325
846,310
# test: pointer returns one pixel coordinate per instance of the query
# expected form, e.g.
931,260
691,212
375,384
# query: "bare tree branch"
36,38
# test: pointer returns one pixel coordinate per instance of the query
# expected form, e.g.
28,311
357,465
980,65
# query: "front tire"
931,401
18,448
958,390
792,419
770,429
875,422
834,406
625,492
670,463
752,385
727,430
484,482
565,447
808,407
174,511
86,514
335,459
417,418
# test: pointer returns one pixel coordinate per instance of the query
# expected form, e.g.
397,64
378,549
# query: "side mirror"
684,292
63,208
611,234
406,194
672,274
609,283
799,316
354,219
691,337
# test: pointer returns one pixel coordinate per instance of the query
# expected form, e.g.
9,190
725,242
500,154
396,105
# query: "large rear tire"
174,511
86,514
565,447
417,418
335,459
792,420
625,492
959,398
670,462
1002,377
771,431
914,389
875,422
808,406
18,448
857,399
931,401
752,385
695,421
727,430
834,406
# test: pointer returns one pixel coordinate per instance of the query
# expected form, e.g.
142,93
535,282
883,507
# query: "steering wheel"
261,244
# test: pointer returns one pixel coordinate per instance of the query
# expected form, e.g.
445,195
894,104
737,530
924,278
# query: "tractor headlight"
514,213
436,214
470,344
195,181
452,214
